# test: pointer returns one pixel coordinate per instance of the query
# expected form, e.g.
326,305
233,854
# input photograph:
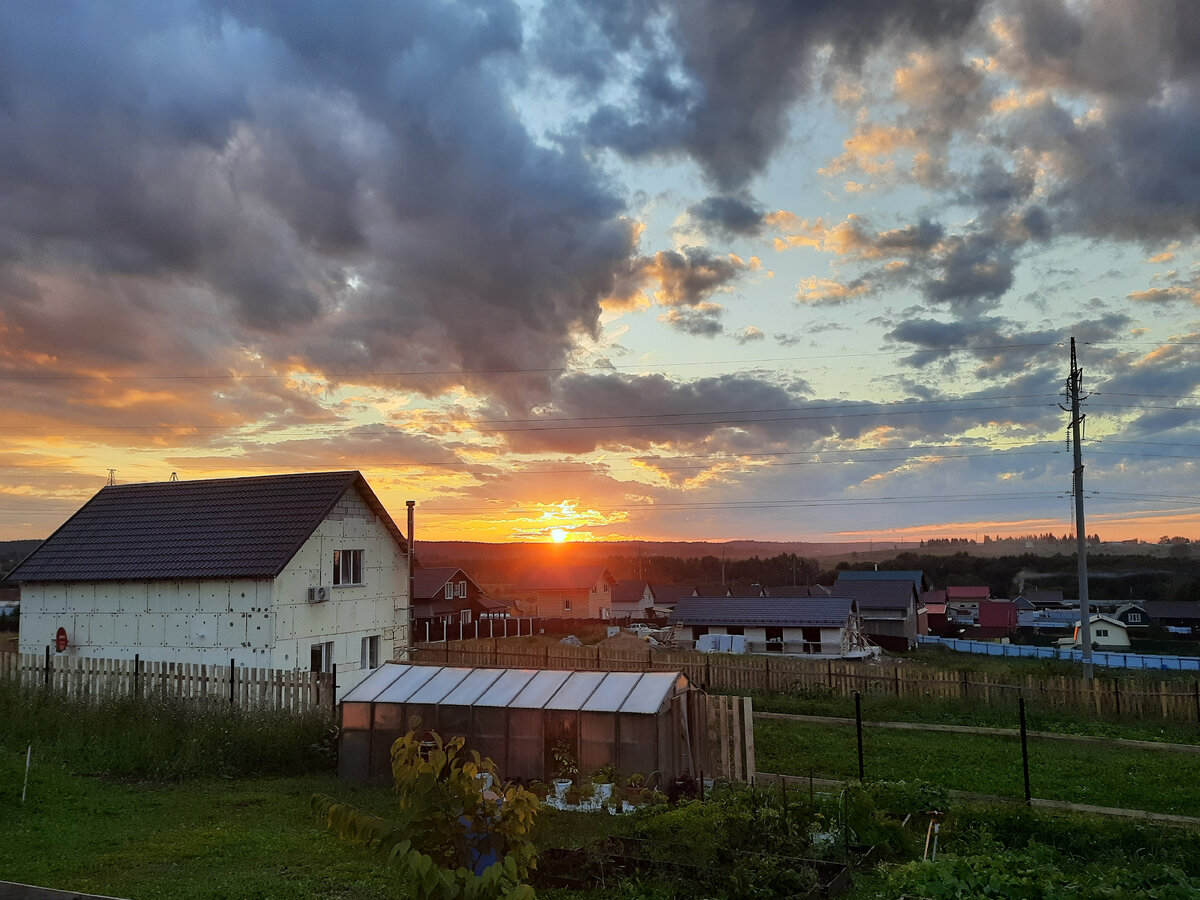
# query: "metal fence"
1109,658
728,673
244,686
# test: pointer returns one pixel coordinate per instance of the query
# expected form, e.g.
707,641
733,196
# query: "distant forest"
1116,578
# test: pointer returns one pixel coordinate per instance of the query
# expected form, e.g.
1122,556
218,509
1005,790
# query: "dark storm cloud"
705,94
728,216
351,184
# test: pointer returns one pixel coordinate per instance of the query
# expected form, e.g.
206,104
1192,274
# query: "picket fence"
1175,700
244,686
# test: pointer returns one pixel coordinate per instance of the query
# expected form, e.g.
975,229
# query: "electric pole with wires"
1074,386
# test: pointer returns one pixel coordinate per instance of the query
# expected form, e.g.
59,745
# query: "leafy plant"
451,834
565,765
607,774
636,780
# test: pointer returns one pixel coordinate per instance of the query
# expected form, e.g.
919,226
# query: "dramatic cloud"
522,258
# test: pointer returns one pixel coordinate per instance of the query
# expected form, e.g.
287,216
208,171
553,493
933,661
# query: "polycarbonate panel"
474,686
527,745
576,691
639,745
356,716
597,741
652,692
506,687
612,692
539,690
375,683
407,684
441,684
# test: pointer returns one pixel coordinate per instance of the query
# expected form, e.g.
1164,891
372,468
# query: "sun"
558,535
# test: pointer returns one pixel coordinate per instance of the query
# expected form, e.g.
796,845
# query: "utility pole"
1074,385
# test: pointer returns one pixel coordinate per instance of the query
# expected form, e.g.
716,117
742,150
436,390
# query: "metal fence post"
1025,755
858,728
46,677
231,680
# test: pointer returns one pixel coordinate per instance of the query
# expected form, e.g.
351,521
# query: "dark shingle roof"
877,594
916,576
220,528
828,612
428,581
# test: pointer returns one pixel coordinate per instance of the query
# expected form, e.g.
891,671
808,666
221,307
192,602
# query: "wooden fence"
726,740
244,686
1176,700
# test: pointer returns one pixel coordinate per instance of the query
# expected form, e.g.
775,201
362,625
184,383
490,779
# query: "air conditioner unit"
318,594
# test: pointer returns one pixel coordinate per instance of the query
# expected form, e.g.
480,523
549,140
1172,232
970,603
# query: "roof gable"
429,581
216,528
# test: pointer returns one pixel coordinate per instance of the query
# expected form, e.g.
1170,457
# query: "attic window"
1135,617
448,592
347,566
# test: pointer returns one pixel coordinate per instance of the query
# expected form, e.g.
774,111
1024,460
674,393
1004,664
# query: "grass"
156,739
1097,775
883,708
206,838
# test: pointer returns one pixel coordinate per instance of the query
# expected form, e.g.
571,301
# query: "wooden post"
748,717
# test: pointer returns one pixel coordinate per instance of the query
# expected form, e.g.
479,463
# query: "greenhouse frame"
637,721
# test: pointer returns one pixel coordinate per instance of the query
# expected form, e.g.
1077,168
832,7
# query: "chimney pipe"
408,636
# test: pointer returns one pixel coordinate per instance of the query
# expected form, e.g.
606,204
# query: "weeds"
128,737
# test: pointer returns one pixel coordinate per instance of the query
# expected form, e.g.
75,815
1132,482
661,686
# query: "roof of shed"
216,528
795,612
628,692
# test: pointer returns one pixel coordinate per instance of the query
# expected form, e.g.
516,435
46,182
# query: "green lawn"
1156,781
206,838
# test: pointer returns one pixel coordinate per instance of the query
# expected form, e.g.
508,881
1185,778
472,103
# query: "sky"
609,269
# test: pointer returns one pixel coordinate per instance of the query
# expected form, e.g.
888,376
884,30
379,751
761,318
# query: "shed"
637,721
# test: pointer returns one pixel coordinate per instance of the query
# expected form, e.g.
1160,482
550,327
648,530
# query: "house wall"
585,604
377,607
756,637
206,622
893,626
261,623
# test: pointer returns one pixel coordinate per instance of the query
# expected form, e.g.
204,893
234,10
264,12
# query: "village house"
888,608
446,595
812,626
632,600
1107,633
566,592
298,571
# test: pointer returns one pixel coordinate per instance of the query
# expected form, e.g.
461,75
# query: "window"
448,593
465,617
369,658
566,604
606,587
1135,617
460,589
1101,632
321,657
735,629
347,566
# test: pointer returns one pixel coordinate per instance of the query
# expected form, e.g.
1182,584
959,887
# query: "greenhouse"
637,721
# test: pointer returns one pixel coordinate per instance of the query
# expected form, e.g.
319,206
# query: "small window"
566,604
321,657
465,617
460,589
369,658
1135,617
448,593
606,587
1101,632
347,566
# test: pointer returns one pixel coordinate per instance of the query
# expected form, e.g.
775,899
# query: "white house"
301,571
1107,634
826,626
